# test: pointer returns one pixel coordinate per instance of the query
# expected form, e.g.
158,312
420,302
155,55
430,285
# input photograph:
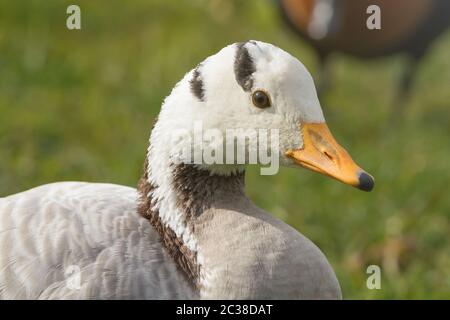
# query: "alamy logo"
374,280
74,20
73,277
235,146
374,20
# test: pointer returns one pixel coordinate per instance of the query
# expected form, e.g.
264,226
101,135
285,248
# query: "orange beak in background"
321,153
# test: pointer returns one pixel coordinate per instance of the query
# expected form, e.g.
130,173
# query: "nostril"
329,156
366,182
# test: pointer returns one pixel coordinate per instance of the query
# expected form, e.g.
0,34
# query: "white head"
251,85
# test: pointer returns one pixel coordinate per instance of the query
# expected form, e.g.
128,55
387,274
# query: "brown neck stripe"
185,259
195,191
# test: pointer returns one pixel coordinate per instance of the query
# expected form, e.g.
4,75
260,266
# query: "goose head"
251,86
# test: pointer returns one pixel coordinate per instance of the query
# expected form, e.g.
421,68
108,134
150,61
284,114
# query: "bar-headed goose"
406,26
188,231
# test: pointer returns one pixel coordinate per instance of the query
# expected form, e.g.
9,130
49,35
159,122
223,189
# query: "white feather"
94,227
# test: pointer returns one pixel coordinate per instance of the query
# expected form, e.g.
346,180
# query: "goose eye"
261,99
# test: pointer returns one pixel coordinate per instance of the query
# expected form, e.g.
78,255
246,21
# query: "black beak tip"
366,182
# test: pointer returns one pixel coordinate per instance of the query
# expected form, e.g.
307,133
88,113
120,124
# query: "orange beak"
321,153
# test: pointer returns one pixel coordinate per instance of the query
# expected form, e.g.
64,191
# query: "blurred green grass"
78,105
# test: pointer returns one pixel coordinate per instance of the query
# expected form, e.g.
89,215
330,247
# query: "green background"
79,105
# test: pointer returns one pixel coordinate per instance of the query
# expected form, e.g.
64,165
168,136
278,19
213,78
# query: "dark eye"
261,99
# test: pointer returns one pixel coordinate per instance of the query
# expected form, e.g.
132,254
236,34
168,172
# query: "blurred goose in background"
407,26
188,231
